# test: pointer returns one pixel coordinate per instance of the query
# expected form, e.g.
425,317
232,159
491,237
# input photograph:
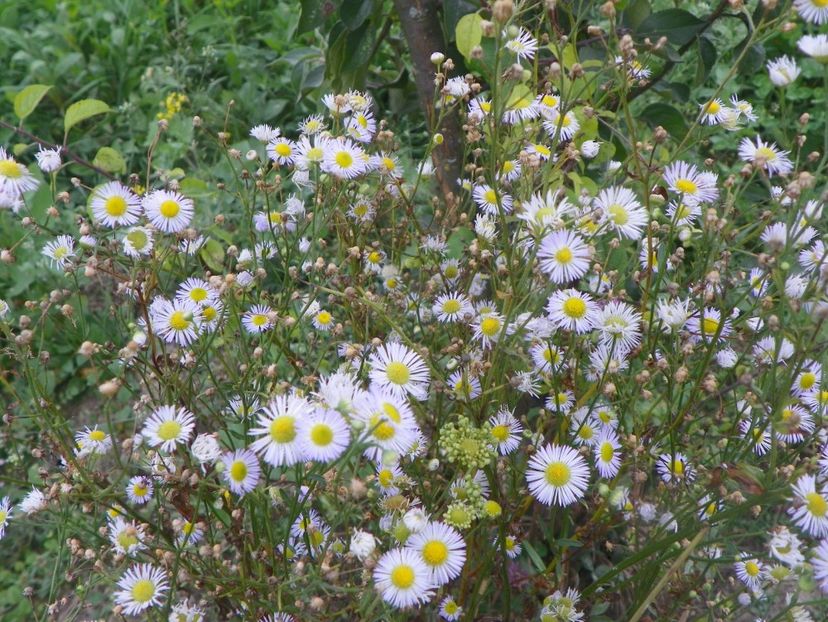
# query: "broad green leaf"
635,12
353,13
109,160
667,117
27,100
679,26
82,110
194,188
469,33
312,16
708,56
453,10
212,254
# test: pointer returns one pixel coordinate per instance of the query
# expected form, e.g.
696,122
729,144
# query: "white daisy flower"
197,291
60,251
257,319
519,110
361,126
622,212
282,150
750,571
5,514
400,370
704,325
278,423
572,310
693,186
712,112
794,424
524,45
343,159
619,324
452,307
127,537
783,71
506,431
264,133
169,212
48,160
176,321
33,502
464,385
168,427
607,453
389,423
564,256
561,126
14,177
450,611
324,435
757,434
488,328
138,241
241,471
403,578
323,320
815,46
766,156
139,490
442,549
675,468
142,586
491,201
115,205
92,441
814,11
543,212
557,475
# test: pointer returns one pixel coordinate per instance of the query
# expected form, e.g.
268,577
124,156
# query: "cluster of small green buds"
467,446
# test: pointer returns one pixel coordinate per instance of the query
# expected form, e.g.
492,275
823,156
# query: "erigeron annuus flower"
450,611
783,71
343,159
264,133
452,307
584,427
324,435
543,212
766,156
557,475
127,537
277,425
442,549
675,468
693,186
488,328
138,241
785,546
808,379
814,11
241,471
712,112
464,385
520,109
60,251
323,320
5,515
388,421
14,177
619,325
403,578
815,46
572,310
115,205
33,502
607,454
564,256
524,45
257,319
139,490
400,370
175,321
621,211
793,424
92,441
750,571
282,150
707,325
169,212
505,431
168,427
142,586
548,358
810,510
491,201
196,290
561,126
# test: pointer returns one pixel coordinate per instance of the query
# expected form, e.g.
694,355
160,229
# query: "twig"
64,150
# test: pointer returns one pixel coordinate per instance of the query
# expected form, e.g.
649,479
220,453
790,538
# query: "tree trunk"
420,22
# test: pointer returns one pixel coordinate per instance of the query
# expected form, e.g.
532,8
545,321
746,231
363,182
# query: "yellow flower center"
607,452
766,153
686,186
126,540
138,239
549,100
820,3
710,326
209,313
97,435
677,467
283,149
543,150
451,272
558,474
808,378
586,432
490,326
198,294
321,434
283,429
115,206
713,107
374,257
551,356
344,159
392,412
384,431
435,553
492,508
563,255
500,433
315,154
817,505
566,121
238,471
402,577
619,214
323,317
397,372
143,591
139,490
451,306
169,430
752,568
574,307
169,209
179,321
61,252
259,319
10,169
385,478
490,196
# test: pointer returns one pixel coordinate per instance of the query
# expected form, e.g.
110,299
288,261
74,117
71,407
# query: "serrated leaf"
27,100
468,33
679,26
82,110
110,160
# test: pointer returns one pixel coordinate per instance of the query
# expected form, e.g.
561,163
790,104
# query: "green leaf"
27,100
469,33
679,26
353,13
194,188
536,559
667,117
212,254
708,56
312,16
82,110
635,12
110,160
